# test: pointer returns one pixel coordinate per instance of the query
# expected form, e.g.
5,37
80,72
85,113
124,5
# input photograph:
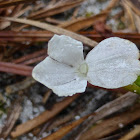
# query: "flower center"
83,69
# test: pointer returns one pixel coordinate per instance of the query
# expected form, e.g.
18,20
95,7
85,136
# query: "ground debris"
31,111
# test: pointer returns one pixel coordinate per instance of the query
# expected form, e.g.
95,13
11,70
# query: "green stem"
134,88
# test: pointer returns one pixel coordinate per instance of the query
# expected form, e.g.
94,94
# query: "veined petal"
66,50
68,89
52,73
111,66
113,47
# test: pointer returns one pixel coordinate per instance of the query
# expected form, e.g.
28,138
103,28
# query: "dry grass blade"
61,121
108,109
53,21
64,130
34,60
55,9
30,36
112,137
110,125
42,118
82,23
134,8
26,27
102,112
131,135
134,14
31,56
54,29
46,96
15,68
22,39
134,37
13,2
17,9
111,5
129,15
12,118
38,36
137,21
22,11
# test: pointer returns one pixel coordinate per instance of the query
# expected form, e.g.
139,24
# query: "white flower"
113,63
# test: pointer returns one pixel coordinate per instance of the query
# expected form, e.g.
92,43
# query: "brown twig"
15,68
38,36
34,60
30,56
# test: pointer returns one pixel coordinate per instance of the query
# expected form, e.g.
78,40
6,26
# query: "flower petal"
66,50
113,63
111,47
68,89
52,73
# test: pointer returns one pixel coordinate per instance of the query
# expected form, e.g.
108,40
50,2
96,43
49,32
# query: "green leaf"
137,82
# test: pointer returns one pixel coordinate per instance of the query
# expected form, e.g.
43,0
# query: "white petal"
113,64
66,50
52,73
113,47
68,89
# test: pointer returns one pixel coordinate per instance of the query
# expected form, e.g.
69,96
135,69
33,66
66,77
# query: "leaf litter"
30,111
